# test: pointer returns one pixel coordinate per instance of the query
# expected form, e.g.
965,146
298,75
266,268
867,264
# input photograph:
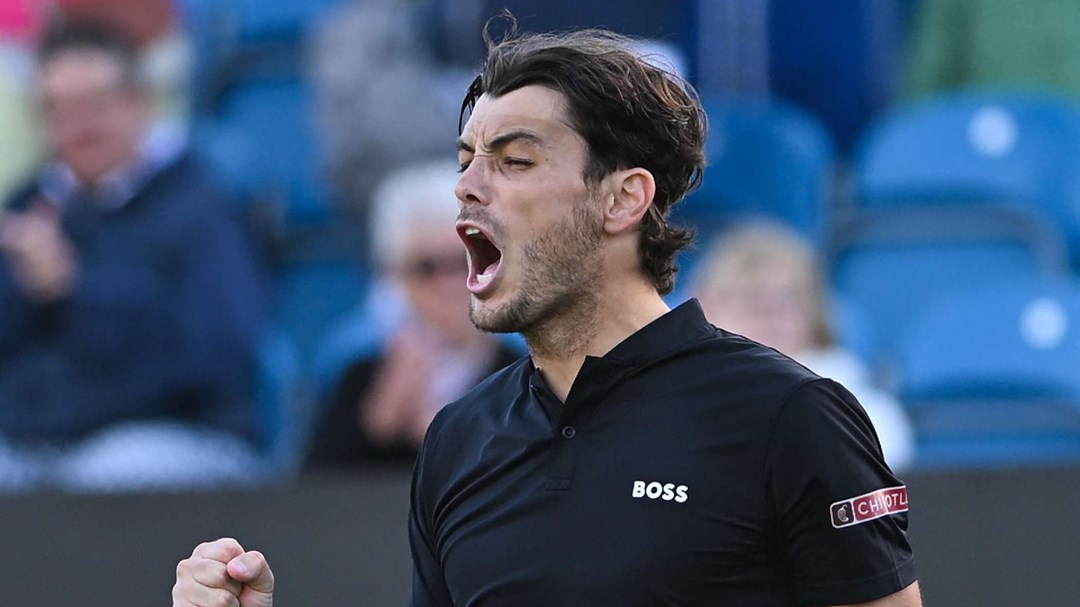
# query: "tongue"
491,268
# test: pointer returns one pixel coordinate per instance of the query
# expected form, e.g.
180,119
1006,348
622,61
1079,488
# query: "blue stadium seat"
313,294
839,60
279,165
218,26
252,98
359,334
765,160
890,263
279,399
989,375
1006,147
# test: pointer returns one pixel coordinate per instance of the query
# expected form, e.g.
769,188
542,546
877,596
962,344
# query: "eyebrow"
502,141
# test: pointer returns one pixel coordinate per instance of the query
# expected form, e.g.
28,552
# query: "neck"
592,327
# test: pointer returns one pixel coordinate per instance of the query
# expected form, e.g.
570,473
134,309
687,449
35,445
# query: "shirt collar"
665,335
162,145
657,340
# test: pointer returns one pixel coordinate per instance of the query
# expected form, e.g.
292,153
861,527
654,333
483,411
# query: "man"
129,298
638,456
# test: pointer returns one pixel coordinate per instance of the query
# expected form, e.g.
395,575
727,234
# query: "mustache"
478,216
471,214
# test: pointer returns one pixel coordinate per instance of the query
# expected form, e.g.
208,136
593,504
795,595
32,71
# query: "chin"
510,317
489,320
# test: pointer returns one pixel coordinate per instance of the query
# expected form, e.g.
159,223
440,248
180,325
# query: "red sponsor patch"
868,507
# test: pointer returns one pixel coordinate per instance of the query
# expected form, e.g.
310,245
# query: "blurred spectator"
967,43
166,54
385,400
129,304
766,283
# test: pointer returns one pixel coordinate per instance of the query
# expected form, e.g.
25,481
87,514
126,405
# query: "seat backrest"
989,376
313,294
1012,339
890,263
765,159
969,146
956,148
282,157
251,86
280,401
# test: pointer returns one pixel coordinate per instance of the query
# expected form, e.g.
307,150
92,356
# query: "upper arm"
840,514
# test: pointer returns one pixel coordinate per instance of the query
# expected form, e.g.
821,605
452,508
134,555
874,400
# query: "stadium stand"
837,59
766,160
951,193
254,118
989,376
1015,147
280,397
891,263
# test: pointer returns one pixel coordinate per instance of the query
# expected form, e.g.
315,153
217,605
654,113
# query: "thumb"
252,570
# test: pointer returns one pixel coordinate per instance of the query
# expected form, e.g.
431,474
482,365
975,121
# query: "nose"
471,186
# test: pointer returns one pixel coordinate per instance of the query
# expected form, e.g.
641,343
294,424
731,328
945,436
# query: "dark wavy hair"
77,35
630,113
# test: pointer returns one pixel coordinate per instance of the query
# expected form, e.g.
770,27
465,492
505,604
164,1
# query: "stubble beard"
557,298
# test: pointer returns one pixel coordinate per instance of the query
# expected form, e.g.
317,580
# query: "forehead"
533,108
76,70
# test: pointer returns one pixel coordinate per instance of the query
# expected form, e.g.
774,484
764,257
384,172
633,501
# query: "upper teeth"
472,231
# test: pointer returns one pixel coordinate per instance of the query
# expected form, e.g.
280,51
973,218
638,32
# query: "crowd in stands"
227,253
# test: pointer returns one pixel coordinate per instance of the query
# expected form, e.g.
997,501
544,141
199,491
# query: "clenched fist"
222,574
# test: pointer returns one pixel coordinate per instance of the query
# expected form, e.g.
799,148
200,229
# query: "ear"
632,192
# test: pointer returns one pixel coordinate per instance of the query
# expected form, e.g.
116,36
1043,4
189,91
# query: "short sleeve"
840,513
428,584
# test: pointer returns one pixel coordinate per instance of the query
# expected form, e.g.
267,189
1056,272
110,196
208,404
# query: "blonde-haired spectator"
767,283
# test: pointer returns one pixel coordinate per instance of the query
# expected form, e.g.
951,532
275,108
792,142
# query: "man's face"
530,223
94,122
773,307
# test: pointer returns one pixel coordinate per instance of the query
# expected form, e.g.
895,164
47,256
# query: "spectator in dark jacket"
129,302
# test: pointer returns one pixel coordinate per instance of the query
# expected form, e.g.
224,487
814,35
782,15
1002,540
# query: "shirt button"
569,432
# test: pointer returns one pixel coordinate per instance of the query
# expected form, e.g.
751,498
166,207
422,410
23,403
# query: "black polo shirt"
688,466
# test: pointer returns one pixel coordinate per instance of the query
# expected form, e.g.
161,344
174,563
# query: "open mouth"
484,257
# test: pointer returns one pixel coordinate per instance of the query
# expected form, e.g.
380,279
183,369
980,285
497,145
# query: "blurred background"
241,321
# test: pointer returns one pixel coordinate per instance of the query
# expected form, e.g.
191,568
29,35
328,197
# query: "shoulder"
823,422
488,399
187,187
493,393
738,368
